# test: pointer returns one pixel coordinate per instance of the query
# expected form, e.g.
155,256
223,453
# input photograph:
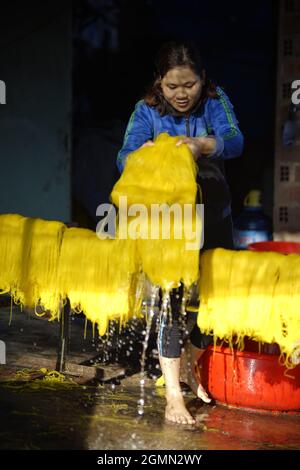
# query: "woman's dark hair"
175,54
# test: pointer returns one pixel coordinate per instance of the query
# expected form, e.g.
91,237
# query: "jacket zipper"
187,125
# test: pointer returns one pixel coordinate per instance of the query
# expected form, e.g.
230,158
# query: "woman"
182,101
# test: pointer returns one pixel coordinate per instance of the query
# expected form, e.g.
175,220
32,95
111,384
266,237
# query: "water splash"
149,319
183,317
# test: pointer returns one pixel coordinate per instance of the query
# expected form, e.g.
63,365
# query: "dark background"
74,71
238,41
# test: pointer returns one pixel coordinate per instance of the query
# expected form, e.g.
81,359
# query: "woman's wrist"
208,145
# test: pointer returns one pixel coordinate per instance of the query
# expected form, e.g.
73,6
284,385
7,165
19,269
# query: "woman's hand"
199,145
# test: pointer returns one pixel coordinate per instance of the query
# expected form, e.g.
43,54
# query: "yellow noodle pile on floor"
162,173
253,294
29,252
162,179
97,276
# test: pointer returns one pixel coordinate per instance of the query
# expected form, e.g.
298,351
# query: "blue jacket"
216,118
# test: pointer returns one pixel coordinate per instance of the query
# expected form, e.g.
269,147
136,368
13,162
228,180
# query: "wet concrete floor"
40,414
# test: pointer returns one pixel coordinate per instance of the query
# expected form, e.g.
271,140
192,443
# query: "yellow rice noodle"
96,276
167,262
286,307
162,173
253,294
161,178
12,228
43,263
29,252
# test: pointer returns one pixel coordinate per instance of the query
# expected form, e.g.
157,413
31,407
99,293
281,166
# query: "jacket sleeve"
139,130
229,139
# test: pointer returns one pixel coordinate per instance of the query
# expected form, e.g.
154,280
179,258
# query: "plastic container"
250,380
252,225
285,248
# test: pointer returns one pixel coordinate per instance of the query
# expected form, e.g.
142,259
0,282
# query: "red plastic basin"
280,247
250,380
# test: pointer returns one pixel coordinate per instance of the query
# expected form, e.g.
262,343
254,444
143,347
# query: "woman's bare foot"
200,391
176,410
190,371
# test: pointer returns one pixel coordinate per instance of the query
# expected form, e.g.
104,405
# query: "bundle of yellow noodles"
29,252
174,259
162,173
162,180
96,276
244,293
286,307
12,229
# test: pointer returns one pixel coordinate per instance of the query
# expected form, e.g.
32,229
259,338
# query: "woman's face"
182,88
